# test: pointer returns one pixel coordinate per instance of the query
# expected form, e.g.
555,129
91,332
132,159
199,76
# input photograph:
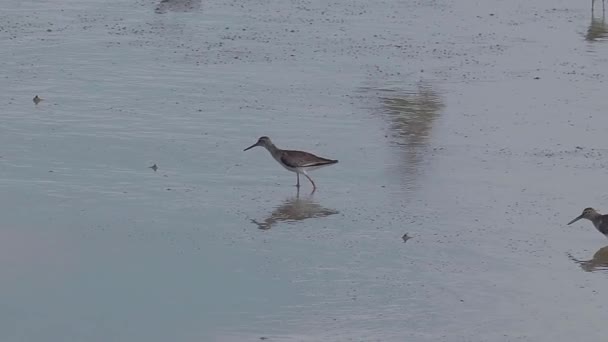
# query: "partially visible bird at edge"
295,161
600,222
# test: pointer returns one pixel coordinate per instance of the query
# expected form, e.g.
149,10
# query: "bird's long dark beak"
250,147
576,219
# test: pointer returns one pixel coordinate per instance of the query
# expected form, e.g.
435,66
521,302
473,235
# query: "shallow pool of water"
474,127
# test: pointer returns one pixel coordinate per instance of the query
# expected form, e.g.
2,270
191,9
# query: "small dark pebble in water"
406,237
153,167
537,78
263,338
37,99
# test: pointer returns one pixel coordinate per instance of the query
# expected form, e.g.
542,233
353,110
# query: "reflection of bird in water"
603,5
597,29
294,209
410,115
178,6
597,263
600,222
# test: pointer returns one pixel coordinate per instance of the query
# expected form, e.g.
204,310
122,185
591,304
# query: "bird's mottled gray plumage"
303,159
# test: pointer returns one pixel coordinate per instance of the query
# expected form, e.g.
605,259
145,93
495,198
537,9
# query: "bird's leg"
298,184
314,187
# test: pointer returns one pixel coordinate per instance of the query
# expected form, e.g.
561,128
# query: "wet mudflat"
475,127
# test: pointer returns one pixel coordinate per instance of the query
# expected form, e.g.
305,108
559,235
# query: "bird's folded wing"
303,159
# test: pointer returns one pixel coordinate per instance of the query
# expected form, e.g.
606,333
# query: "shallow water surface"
475,127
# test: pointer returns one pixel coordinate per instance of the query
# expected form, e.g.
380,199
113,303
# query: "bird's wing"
303,159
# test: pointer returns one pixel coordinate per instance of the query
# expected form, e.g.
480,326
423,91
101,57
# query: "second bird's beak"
576,219
252,146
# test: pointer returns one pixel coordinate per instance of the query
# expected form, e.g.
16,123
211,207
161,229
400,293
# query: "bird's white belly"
310,168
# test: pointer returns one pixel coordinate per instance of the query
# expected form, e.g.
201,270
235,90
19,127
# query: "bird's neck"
597,222
272,149
595,217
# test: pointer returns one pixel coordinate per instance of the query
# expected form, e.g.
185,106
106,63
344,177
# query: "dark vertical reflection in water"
178,6
597,28
295,209
599,261
410,115
593,5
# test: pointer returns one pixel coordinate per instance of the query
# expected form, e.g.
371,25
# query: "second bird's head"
588,213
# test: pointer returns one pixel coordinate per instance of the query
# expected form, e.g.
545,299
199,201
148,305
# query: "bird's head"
588,213
262,141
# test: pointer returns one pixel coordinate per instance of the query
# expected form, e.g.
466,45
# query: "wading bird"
599,221
295,161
